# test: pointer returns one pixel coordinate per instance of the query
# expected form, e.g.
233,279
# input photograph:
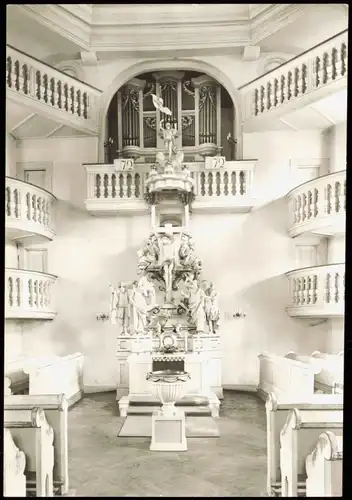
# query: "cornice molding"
95,27
273,18
60,20
170,37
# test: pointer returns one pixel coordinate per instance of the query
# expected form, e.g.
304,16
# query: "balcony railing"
28,294
314,69
229,188
51,91
28,210
317,291
319,205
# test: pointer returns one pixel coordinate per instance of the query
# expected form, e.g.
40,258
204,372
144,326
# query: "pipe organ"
195,101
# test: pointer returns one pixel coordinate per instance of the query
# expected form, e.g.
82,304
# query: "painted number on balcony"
124,164
214,162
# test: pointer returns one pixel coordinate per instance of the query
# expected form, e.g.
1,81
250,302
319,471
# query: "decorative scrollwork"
150,89
150,121
188,88
207,93
187,198
130,95
168,84
186,121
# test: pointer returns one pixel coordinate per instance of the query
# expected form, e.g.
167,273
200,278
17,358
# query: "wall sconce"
102,317
238,315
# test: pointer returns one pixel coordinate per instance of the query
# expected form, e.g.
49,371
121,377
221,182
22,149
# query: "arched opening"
222,129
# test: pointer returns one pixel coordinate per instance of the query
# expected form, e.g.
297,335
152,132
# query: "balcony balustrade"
28,211
28,294
227,189
50,92
310,75
317,291
319,206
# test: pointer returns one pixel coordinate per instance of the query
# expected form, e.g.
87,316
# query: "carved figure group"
202,304
148,254
187,254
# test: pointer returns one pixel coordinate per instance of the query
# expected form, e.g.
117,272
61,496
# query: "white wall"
11,156
13,339
10,254
336,146
245,254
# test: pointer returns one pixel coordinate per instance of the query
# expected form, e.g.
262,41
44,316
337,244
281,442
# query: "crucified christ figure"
167,261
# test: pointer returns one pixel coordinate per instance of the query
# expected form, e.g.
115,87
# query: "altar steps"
190,411
192,405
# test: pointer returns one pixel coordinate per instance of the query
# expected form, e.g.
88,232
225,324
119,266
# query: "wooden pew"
284,376
32,434
331,374
324,467
57,375
55,408
276,415
298,439
19,381
14,465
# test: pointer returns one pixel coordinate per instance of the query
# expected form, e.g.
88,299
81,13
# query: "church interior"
175,218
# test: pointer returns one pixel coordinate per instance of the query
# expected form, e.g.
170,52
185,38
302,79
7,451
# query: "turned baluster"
325,67
222,187
66,97
317,69
334,60
309,290
282,89
85,105
125,185
48,212
343,55
38,85
9,71
97,186
51,93
243,187
315,202
310,205
48,293
211,184
45,293
41,296
17,76
205,185
327,288
262,98
72,98
10,291
18,292
299,291
256,102
304,81
296,88
328,199
30,293
79,103
315,289
10,205
289,89
18,205
34,208
304,207
39,210
337,295
137,185
338,194
343,197
276,92
25,75
269,96
121,182
226,183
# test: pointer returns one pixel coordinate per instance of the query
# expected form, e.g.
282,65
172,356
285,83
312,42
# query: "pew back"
55,408
14,465
32,434
277,411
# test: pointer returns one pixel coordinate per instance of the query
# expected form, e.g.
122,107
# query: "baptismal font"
168,318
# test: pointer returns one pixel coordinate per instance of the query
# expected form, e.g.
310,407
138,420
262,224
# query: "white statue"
119,307
169,135
148,290
148,254
212,311
186,252
139,308
195,299
167,261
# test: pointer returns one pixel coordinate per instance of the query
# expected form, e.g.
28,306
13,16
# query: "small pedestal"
169,432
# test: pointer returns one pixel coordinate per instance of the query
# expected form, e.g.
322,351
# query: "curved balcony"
319,206
28,294
305,79
50,92
317,291
228,189
28,211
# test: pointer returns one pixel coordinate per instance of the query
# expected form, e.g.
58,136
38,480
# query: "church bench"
276,415
32,434
19,381
55,408
284,376
324,467
14,465
56,375
331,374
297,440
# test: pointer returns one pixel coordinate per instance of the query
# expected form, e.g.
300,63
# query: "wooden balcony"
28,294
317,291
51,93
305,79
319,206
28,211
229,189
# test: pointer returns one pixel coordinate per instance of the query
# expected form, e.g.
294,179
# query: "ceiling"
68,29
320,115
24,125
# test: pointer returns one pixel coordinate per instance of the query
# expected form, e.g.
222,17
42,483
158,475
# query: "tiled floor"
102,464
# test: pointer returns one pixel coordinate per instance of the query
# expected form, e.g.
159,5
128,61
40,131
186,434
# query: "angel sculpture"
169,135
120,307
